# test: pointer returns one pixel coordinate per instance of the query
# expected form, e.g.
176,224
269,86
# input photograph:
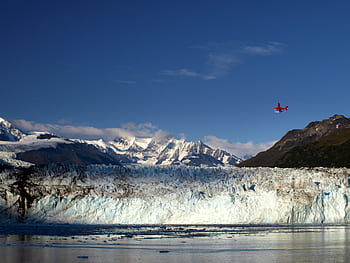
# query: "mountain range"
321,143
19,148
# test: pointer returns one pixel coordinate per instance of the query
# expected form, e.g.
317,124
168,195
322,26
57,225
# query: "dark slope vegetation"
321,143
330,151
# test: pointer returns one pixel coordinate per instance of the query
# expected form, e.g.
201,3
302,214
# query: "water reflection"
220,244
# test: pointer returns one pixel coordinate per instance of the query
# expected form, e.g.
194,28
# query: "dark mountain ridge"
75,153
320,143
332,150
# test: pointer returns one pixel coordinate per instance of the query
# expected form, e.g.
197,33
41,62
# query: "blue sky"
207,70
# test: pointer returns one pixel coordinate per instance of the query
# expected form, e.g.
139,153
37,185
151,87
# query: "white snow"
12,133
99,144
166,151
10,158
143,142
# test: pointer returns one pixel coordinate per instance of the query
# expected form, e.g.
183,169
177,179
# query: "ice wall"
176,195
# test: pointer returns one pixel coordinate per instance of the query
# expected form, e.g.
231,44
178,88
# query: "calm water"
67,243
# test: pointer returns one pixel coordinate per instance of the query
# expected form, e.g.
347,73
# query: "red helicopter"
279,108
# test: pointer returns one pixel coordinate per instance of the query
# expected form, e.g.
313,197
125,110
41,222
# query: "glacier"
105,194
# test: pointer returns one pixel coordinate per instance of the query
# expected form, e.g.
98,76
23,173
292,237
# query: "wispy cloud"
221,64
268,49
222,58
87,132
140,126
237,148
187,73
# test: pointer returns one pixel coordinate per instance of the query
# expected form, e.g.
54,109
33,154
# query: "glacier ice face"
175,195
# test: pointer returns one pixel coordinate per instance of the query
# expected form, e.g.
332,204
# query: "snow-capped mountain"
171,151
18,148
8,132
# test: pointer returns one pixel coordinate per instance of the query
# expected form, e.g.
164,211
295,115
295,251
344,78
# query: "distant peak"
337,116
4,121
330,121
8,132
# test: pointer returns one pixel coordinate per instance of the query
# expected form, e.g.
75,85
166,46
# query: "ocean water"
174,243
